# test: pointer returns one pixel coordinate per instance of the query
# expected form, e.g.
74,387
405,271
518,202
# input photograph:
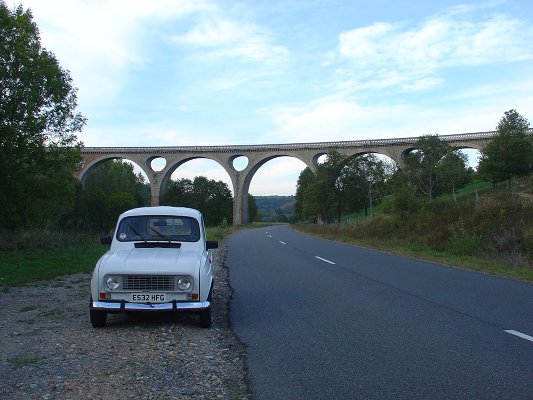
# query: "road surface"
324,320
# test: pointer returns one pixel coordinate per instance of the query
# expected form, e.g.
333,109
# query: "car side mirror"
106,239
211,244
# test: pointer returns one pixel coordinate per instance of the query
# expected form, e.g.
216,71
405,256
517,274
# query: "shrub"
42,238
379,227
462,242
404,201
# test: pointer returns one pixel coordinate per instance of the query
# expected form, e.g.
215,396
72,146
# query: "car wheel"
98,317
205,318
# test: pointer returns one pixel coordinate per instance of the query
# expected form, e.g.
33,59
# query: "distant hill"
269,204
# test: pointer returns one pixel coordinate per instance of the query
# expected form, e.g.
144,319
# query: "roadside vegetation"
435,207
36,255
484,230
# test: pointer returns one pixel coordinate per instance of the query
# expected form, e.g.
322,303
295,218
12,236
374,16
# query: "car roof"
163,210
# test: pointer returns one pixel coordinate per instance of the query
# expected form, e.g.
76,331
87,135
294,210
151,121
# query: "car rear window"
158,228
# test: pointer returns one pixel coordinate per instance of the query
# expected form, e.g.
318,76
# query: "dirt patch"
49,350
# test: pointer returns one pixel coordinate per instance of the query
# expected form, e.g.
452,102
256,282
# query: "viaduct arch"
257,156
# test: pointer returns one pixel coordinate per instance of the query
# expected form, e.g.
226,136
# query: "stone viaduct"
257,156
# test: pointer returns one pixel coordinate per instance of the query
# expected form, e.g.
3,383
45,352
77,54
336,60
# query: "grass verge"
423,252
50,260
222,232
22,267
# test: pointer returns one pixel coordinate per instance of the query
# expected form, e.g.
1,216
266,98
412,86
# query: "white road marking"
269,235
282,242
323,259
520,335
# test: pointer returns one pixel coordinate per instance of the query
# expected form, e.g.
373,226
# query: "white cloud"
331,119
334,119
236,39
212,33
411,57
149,134
99,41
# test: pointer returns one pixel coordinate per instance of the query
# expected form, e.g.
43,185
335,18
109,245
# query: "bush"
42,239
503,221
405,201
462,242
379,227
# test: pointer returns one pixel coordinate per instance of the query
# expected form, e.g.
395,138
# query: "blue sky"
193,72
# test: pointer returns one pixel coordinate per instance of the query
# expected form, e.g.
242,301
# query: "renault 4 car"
159,260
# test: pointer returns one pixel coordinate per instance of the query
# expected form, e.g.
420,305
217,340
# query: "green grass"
421,251
221,232
217,232
483,228
22,267
360,215
22,361
377,209
479,186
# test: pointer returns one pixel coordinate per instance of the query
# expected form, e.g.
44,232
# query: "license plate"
148,297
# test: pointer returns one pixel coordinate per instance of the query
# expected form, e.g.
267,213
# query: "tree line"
113,187
344,185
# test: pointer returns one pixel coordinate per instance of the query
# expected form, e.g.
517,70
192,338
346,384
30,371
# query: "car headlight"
113,282
184,283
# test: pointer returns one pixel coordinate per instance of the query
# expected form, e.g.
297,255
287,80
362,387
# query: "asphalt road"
324,320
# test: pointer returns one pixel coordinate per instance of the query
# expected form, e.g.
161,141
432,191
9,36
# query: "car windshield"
158,228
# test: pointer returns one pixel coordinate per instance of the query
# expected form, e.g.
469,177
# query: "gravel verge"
49,350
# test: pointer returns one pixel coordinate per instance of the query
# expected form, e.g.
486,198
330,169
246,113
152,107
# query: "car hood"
150,261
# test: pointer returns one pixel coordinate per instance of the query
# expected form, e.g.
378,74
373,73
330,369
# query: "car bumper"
123,306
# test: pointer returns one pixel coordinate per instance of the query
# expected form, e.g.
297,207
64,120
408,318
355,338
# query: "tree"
453,172
341,185
325,195
305,180
422,166
252,208
109,190
38,121
178,192
212,198
510,153
364,180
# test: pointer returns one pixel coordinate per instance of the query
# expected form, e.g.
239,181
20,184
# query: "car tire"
205,318
98,317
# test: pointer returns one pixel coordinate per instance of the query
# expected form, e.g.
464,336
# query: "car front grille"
149,282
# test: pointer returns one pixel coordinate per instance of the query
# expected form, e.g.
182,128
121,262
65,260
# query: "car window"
158,228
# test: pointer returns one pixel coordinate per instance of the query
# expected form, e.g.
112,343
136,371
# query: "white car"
159,260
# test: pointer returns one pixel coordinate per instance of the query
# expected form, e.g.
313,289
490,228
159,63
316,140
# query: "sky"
220,72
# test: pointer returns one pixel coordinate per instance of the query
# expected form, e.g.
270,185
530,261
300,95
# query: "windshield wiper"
137,233
160,234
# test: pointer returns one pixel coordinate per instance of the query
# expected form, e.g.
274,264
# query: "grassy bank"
222,232
39,254
481,228
420,251
22,267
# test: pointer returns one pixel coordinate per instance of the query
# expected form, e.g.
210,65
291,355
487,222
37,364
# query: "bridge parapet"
478,136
